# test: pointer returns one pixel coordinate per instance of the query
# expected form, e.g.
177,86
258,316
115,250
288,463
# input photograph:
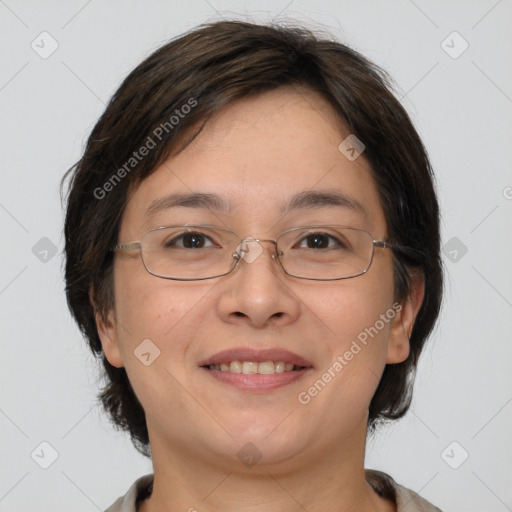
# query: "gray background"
462,107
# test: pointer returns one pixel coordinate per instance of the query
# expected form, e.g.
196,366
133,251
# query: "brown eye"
189,240
193,240
320,241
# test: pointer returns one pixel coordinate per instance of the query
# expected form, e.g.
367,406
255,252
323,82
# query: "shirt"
405,499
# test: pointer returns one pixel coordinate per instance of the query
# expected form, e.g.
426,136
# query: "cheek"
150,308
353,306
155,329
360,334
359,315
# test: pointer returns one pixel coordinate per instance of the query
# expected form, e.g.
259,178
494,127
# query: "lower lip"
257,381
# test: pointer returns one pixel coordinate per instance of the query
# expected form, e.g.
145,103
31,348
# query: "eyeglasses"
190,252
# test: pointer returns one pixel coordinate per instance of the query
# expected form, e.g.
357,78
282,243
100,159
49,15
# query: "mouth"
253,367
256,370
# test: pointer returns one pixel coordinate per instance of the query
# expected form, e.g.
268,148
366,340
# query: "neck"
331,480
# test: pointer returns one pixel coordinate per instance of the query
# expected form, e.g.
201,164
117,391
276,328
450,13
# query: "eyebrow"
303,200
192,200
319,199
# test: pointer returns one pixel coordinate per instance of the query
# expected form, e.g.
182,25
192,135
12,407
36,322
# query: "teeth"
266,368
235,367
249,367
252,367
279,366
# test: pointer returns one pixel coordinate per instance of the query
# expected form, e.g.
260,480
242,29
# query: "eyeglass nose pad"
249,250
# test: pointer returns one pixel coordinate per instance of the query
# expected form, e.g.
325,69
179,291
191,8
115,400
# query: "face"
256,155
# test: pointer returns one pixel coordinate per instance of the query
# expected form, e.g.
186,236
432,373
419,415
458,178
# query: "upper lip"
256,355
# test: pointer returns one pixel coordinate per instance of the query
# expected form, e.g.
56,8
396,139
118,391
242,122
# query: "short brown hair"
214,65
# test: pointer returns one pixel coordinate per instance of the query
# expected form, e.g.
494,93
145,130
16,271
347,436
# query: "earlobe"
107,332
403,323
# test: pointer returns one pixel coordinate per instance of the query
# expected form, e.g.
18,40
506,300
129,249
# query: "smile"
253,367
256,370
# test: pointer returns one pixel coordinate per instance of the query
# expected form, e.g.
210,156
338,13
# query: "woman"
252,244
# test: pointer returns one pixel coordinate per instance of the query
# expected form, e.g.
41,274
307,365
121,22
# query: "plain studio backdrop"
60,64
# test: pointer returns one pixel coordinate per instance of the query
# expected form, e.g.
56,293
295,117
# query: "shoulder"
141,488
405,499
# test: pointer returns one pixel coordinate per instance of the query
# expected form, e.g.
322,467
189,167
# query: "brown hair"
206,69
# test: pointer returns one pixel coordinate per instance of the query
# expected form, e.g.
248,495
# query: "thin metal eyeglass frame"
383,244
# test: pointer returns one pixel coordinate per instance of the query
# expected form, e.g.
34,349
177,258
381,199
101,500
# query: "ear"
403,322
107,331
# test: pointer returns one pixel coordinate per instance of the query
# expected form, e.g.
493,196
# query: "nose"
257,293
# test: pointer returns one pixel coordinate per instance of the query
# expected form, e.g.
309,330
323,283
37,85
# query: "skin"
257,153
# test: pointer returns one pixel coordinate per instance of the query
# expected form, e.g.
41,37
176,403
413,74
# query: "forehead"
256,154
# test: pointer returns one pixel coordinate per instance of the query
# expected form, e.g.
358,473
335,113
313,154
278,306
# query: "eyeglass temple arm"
127,247
381,243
